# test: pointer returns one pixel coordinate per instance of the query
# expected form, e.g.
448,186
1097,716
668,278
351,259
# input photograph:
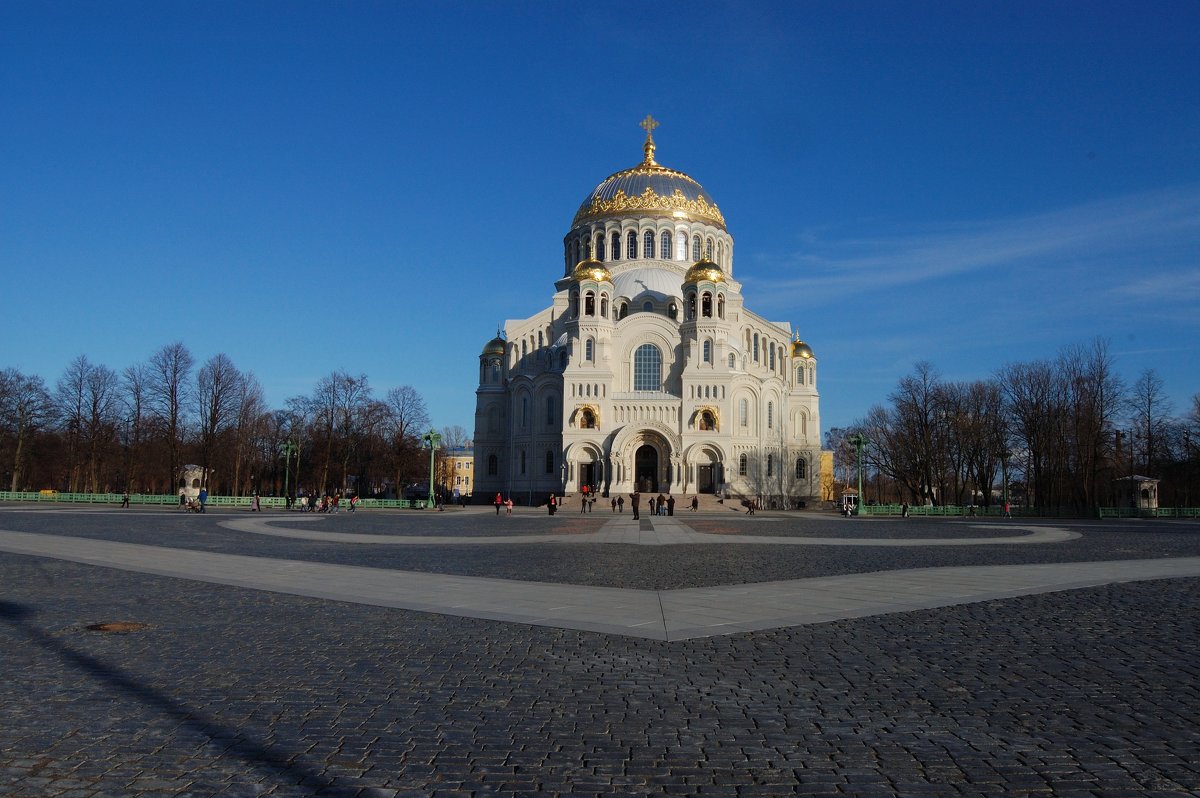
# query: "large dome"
650,189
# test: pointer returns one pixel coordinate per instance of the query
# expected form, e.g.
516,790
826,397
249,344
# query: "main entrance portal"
645,469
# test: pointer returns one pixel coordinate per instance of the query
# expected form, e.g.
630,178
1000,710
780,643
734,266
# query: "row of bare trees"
1057,433
97,430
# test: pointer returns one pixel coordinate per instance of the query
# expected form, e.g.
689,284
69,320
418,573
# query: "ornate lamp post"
433,439
858,441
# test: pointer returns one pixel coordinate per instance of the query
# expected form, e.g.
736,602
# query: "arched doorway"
645,469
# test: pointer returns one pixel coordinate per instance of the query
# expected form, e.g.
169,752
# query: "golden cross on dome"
648,124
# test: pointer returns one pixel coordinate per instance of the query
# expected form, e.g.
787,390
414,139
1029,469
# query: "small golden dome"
704,270
496,346
801,349
591,269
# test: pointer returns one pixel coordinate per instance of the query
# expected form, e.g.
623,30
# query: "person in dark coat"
670,505
635,501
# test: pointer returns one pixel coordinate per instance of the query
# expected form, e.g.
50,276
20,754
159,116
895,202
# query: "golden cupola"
591,269
801,349
704,270
650,189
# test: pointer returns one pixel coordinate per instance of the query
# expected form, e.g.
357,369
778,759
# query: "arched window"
493,466
587,420
732,361
522,462
772,358
673,310
755,347
540,340
589,304
524,348
574,305
549,461
600,247
800,375
744,412
695,248
770,465
624,311
743,465
631,245
524,412
770,415
707,357
801,468
589,350
648,244
648,307
550,411
708,249
647,368
720,306
721,253
665,246
707,422
706,305
616,246
604,306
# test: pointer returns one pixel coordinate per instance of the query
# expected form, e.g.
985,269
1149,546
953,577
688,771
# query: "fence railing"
1030,512
168,500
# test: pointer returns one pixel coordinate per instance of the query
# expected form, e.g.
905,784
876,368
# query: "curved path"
659,615
658,531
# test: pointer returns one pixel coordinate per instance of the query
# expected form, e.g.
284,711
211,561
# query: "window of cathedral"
707,356
524,349
574,304
616,246
772,358
624,311
755,347
493,465
800,375
695,248
648,244
550,411
600,247
732,361
589,350
743,465
707,421
604,306
721,254
770,465
524,412
665,246
720,306
648,307
708,249
647,368
706,305
801,468
540,339
770,415
631,245
549,461
691,306
673,310
587,420
589,304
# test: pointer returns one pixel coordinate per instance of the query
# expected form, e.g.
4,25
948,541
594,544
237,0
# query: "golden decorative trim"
716,415
649,200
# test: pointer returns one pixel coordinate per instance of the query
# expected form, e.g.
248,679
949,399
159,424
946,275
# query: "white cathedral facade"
647,371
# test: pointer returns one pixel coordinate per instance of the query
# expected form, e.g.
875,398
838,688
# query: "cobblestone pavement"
229,691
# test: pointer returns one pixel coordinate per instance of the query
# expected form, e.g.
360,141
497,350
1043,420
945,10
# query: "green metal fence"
168,500
1029,512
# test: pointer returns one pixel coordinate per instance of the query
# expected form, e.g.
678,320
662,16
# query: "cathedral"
647,371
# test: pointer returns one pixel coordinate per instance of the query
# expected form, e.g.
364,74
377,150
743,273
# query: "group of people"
507,504
193,505
325,503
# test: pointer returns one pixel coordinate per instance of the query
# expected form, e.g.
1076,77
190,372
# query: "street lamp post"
858,441
433,439
288,448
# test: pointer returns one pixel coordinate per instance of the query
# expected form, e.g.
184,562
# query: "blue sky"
314,186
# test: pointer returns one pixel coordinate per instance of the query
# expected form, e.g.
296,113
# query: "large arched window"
732,361
707,357
743,465
800,375
600,247
706,305
695,248
772,358
664,249
589,350
648,244
604,306
708,249
720,306
755,347
770,415
631,245
616,246
493,466
589,304
744,412
770,465
801,468
647,368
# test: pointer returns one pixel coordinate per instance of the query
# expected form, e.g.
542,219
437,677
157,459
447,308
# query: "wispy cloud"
1113,234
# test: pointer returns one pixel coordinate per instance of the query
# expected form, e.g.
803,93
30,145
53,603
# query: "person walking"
552,505
614,504
635,500
498,501
255,507
695,503
203,497
620,504
125,499
508,505
670,505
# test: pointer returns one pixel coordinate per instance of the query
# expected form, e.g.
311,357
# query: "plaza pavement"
396,654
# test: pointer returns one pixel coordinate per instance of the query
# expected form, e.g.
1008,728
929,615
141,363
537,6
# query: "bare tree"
407,420
25,408
218,385
1151,415
168,391
455,437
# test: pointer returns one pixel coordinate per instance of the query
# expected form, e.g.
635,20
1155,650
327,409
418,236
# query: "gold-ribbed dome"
801,349
591,269
650,189
496,346
704,270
